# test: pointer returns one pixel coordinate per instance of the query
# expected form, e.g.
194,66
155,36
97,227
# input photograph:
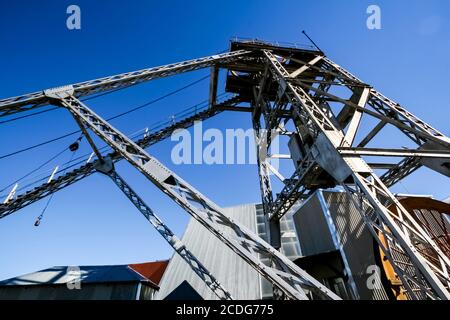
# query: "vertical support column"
262,145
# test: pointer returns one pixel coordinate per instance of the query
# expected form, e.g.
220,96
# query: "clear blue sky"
91,222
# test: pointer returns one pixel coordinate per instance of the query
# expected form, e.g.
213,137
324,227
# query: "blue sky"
91,222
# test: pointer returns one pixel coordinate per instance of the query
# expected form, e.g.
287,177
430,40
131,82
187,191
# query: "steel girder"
293,189
264,181
289,278
168,235
394,152
262,143
22,200
404,168
30,101
426,279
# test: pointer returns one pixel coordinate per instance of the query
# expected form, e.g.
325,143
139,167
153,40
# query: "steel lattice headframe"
292,92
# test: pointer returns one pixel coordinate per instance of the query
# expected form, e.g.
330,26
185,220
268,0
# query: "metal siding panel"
356,240
314,235
312,228
242,281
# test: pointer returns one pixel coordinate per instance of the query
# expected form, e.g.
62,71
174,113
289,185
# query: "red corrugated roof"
151,270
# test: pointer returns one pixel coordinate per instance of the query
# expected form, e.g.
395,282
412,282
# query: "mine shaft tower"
299,94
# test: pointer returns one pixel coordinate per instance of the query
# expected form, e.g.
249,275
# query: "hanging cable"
39,144
108,119
41,216
56,108
28,115
34,170
74,148
158,99
155,126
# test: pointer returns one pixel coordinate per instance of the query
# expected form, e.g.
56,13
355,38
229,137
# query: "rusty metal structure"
432,215
318,107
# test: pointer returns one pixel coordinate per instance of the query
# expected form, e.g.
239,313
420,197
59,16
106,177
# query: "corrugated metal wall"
242,281
312,228
328,220
290,246
357,243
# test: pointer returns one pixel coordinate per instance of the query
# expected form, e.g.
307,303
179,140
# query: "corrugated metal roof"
145,272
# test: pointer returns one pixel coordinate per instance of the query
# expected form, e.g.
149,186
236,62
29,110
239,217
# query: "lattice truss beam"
298,94
62,178
178,246
34,100
322,106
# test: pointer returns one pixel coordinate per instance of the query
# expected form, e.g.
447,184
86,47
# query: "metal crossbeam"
400,171
383,152
292,281
30,101
179,247
293,189
380,125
